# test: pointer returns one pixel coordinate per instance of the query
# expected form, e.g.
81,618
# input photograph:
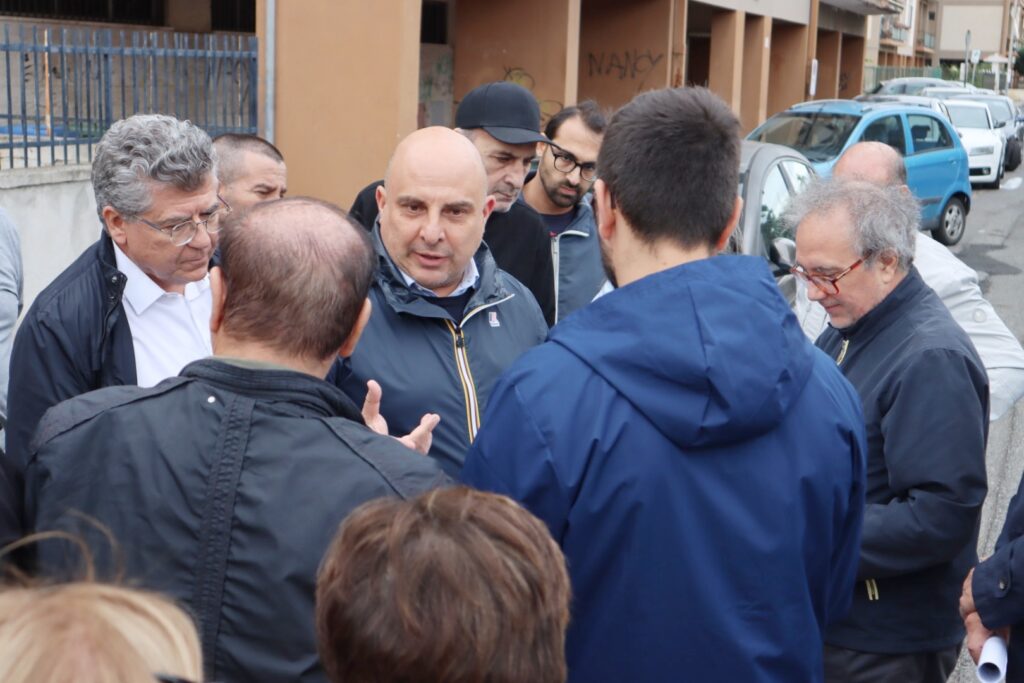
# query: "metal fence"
62,88
873,75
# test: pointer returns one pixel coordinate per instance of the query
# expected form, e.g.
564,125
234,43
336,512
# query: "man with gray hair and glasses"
924,395
134,308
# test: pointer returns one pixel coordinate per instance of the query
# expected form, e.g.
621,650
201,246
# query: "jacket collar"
315,395
885,313
113,279
404,300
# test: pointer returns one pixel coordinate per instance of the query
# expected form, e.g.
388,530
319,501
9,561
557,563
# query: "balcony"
926,41
866,7
892,32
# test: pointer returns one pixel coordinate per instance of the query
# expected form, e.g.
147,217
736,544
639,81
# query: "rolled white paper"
992,663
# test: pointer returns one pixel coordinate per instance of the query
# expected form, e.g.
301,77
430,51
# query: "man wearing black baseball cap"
502,120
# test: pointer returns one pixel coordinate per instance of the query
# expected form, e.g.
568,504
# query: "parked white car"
984,144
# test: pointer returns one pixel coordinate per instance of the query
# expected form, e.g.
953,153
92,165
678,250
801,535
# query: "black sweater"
518,240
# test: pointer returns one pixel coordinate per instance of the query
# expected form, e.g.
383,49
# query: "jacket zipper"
465,374
871,584
556,247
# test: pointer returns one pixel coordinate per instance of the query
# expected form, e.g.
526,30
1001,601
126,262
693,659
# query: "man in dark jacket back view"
223,486
924,395
700,463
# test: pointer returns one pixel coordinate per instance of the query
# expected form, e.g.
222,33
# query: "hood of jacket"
709,351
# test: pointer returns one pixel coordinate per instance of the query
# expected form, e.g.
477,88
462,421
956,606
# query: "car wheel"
951,223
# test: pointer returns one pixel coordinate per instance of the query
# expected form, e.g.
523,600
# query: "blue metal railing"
61,89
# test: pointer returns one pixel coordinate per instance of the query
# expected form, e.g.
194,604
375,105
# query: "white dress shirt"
169,330
957,285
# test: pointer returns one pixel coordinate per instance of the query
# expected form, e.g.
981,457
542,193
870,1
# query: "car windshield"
967,117
1000,110
820,136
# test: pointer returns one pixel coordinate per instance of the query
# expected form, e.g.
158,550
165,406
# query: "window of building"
233,15
434,22
147,12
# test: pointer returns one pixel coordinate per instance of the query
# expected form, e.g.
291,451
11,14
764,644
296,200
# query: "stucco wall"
55,212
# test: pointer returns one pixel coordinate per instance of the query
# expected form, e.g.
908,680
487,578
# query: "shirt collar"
142,292
469,280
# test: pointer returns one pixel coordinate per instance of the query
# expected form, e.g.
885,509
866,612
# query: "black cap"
508,112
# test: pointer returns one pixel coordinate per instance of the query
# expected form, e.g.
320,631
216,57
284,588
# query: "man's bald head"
433,207
297,272
250,170
438,150
873,162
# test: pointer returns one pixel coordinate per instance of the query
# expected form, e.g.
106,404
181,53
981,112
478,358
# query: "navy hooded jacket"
701,466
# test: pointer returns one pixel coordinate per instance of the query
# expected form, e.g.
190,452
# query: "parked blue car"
937,170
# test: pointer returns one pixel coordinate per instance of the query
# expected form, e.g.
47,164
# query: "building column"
757,41
829,56
726,73
677,40
788,70
358,122
851,66
535,43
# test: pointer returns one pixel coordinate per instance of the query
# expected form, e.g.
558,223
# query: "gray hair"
884,219
144,148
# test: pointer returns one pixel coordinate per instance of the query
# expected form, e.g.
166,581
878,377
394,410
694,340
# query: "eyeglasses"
823,282
167,678
184,232
566,163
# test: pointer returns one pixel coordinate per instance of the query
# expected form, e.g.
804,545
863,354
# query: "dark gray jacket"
223,488
576,255
924,394
426,361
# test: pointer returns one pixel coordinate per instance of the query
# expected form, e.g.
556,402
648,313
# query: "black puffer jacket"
74,338
223,488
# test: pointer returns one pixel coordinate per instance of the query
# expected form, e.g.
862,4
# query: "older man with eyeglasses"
925,398
135,307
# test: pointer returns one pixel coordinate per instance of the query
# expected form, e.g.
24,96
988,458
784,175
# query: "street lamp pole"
967,50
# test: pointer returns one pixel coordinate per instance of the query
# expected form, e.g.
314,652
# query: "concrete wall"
624,49
796,11
347,89
983,21
535,43
55,211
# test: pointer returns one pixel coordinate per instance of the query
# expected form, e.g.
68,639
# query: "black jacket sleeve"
934,432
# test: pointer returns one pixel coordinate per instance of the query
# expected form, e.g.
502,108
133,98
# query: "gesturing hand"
419,439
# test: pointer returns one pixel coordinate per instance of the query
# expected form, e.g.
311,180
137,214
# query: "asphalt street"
994,246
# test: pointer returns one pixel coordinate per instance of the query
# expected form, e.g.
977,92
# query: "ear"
357,330
604,213
381,195
541,146
115,225
219,292
888,265
723,239
489,204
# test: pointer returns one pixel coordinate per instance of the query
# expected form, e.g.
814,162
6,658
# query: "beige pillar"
726,72
677,39
625,48
534,43
757,41
812,45
347,77
787,78
829,56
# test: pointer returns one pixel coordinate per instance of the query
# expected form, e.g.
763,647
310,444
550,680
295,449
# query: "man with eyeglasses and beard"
559,192
134,308
925,398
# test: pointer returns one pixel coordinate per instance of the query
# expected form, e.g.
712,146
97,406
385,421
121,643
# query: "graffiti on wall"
629,64
521,76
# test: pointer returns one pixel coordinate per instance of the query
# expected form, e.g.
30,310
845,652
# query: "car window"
927,134
819,136
1000,111
887,130
800,174
968,117
774,198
